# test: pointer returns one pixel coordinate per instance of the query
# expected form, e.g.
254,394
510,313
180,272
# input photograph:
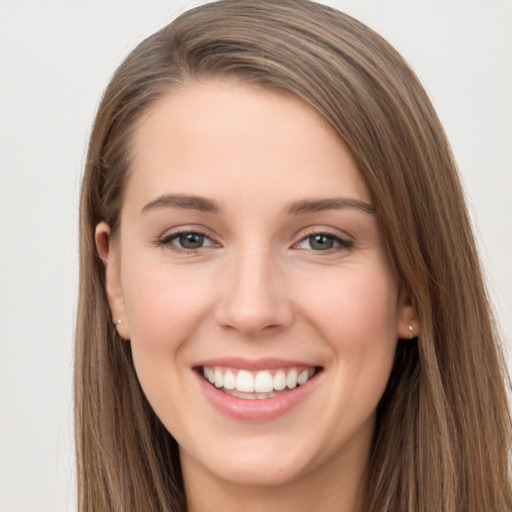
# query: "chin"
262,463
263,473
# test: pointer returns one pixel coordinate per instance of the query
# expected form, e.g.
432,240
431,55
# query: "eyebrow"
206,205
185,202
333,203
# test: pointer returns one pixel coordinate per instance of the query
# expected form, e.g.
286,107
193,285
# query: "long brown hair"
443,429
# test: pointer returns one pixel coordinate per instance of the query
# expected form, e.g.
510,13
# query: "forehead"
212,136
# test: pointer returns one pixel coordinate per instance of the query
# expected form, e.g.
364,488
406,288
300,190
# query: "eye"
186,241
190,240
323,242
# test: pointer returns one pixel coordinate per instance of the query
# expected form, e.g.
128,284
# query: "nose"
252,296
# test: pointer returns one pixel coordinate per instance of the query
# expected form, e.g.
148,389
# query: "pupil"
191,240
321,242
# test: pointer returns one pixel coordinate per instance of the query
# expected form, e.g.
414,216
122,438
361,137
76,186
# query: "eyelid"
345,241
166,239
187,228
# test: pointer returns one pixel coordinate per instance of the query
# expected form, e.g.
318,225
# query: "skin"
257,288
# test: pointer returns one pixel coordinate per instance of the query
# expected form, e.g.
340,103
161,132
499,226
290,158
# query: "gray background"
55,60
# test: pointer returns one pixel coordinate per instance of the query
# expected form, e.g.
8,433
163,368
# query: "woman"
281,304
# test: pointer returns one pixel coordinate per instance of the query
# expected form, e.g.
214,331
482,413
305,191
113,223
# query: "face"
253,285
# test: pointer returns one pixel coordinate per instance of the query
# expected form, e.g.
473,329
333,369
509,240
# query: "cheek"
358,320
357,314
163,304
164,307
354,307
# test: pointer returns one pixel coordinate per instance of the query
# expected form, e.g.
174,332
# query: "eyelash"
342,243
166,241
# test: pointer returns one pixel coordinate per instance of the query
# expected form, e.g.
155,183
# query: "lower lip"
256,410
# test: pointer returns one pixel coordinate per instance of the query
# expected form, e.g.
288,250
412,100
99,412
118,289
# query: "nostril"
255,321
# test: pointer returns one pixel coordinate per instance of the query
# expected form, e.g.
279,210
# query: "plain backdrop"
55,60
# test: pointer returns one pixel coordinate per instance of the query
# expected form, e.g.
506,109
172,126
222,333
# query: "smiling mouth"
257,385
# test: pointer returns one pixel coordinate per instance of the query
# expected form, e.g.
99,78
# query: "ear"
109,254
408,324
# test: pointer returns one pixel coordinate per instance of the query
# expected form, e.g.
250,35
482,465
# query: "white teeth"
279,380
229,380
291,379
240,394
219,380
263,383
245,381
301,379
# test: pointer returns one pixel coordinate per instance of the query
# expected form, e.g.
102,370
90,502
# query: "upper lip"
254,364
